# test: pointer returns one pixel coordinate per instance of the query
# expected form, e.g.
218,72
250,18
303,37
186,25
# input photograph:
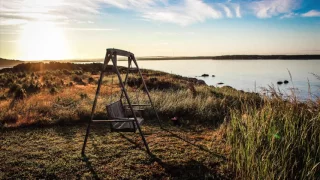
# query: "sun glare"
43,41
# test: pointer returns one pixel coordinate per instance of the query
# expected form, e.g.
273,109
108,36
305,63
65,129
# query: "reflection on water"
248,75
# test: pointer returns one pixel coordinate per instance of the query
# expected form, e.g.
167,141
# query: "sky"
83,29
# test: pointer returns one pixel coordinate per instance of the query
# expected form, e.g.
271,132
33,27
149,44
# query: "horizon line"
168,57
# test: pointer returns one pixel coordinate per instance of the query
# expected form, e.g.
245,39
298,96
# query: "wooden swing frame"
112,55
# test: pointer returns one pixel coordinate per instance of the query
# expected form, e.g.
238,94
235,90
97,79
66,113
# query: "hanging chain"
111,89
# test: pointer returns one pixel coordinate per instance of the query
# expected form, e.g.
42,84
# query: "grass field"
224,133
55,152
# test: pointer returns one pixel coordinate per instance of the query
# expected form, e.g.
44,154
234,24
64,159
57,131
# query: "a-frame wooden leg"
92,113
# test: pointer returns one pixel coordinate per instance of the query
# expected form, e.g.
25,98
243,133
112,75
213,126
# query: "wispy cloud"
9,31
227,11
238,11
133,4
12,41
312,13
289,15
184,12
89,29
270,8
20,12
10,22
174,33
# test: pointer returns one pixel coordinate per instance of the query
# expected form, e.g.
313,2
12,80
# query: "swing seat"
127,124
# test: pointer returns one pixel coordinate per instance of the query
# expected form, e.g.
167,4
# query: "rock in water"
205,75
279,82
286,81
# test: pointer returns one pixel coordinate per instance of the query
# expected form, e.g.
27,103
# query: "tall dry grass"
280,140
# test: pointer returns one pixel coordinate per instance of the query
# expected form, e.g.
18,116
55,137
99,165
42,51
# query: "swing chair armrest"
126,119
136,105
116,120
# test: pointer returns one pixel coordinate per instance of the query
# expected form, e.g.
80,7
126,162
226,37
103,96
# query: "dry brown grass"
59,102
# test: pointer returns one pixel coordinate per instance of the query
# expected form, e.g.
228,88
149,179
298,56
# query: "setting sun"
42,41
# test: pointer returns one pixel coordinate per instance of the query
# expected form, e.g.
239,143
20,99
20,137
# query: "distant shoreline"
239,57
9,62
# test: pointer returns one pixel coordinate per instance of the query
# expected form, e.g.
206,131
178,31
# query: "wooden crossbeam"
119,52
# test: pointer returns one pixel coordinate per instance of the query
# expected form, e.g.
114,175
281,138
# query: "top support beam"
119,52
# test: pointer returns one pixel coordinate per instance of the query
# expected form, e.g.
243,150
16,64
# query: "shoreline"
9,62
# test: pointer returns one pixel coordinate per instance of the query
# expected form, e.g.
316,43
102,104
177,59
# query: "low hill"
6,62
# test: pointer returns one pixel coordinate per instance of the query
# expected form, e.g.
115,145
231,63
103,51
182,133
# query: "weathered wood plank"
119,52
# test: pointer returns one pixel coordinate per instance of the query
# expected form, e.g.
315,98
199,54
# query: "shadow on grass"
67,132
191,169
195,145
89,166
183,139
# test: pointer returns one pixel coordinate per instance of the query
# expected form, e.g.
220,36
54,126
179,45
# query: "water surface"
247,75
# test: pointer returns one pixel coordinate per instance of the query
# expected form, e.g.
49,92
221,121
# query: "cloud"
174,33
312,13
15,12
270,8
289,15
12,22
9,32
185,13
238,11
227,10
90,29
12,41
190,11
133,4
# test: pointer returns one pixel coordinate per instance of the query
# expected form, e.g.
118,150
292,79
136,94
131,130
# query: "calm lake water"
247,75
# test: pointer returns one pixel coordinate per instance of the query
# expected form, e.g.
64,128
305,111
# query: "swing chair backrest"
115,110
